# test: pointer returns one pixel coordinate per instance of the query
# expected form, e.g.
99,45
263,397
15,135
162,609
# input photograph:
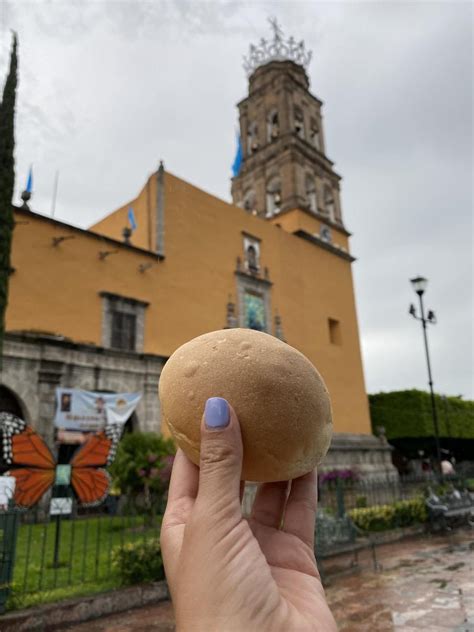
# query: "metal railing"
339,496
47,558
65,556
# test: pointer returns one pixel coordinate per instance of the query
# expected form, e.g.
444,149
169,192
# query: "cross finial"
277,30
276,49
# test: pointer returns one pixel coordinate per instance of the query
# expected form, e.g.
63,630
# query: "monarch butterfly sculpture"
35,469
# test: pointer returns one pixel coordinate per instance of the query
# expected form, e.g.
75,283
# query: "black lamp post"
419,285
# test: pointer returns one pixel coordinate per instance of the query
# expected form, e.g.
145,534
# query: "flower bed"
332,476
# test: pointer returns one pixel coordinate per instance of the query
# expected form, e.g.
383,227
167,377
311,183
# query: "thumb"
221,456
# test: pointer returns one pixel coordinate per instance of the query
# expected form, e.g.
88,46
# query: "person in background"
229,574
447,468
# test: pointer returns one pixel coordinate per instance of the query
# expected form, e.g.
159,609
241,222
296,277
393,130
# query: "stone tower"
284,165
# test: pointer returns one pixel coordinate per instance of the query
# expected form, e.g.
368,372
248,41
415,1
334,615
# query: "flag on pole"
237,164
29,182
131,218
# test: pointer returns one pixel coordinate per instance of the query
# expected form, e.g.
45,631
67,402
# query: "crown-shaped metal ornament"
277,49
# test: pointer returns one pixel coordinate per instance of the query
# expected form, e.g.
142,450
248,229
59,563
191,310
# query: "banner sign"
70,437
86,411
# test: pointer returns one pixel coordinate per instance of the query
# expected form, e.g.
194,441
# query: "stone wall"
370,456
34,365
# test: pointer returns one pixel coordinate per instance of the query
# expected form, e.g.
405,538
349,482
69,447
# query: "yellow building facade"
309,284
61,274
117,302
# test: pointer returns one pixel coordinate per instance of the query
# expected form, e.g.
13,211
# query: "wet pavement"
424,584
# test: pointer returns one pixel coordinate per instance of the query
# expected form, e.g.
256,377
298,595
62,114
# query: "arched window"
273,197
252,138
252,258
249,200
299,122
329,202
311,197
273,126
252,255
314,134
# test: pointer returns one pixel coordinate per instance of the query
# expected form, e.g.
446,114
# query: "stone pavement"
425,584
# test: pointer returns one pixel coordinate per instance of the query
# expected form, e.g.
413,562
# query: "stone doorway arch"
10,403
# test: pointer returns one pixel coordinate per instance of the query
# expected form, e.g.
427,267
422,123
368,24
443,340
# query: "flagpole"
55,193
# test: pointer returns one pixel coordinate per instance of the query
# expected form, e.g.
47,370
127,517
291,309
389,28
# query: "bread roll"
280,399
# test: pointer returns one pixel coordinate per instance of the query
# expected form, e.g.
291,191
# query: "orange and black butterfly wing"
31,484
22,446
90,484
99,449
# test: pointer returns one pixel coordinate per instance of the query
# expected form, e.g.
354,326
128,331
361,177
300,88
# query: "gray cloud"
109,88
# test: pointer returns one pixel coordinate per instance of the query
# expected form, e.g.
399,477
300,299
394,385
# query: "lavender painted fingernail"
216,412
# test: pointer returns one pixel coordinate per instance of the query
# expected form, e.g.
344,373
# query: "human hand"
227,573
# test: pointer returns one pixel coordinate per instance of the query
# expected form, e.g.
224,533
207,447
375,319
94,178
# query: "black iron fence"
339,496
46,558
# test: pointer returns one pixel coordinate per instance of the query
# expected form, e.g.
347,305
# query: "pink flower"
152,458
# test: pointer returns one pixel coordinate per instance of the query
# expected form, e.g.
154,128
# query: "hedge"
408,414
403,513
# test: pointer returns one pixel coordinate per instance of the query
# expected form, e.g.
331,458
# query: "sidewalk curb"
57,616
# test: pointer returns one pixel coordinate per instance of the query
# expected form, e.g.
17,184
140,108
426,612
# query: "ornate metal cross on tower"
276,49
277,30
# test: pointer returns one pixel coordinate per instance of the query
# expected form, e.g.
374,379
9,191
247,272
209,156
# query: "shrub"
361,501
469,482
408,414
142,468
403,513
139,562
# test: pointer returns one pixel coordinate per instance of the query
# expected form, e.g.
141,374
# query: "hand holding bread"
279,397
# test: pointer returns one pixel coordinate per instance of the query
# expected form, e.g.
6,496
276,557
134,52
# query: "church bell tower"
284,164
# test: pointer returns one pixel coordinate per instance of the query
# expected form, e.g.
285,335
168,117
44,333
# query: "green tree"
7,183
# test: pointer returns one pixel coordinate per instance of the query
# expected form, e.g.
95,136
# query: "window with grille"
124,329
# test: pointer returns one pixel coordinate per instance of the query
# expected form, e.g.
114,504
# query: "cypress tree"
7,183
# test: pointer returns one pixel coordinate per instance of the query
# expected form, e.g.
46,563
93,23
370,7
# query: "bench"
335,535
449,510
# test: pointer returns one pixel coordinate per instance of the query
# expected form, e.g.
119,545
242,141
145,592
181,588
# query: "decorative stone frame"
115,302
248,283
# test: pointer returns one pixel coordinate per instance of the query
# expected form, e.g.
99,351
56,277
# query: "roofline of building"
56,340
89,233
302,234
323,218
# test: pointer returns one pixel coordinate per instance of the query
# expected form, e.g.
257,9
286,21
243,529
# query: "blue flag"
131,218
237,164
29,182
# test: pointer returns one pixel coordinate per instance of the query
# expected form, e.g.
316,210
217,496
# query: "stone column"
151,406
49,377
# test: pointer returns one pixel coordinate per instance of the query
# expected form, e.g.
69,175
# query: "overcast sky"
109,88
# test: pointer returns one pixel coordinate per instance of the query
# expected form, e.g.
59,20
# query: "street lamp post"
419,285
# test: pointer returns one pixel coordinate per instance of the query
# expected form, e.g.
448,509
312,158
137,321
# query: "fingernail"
216,412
